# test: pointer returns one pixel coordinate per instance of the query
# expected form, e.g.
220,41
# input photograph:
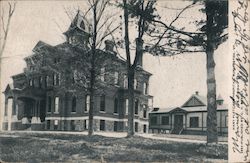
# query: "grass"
33,147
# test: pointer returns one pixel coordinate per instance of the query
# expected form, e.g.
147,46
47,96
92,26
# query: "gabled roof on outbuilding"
195,100
163,110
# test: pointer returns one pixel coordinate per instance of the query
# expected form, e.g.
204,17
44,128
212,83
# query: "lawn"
44,147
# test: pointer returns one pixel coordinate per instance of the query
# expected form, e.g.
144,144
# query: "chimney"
219,100
139,44
109,45
156,109
197,92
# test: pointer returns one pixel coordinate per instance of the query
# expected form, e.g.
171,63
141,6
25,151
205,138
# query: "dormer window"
82,25
31,82
72,40
56,60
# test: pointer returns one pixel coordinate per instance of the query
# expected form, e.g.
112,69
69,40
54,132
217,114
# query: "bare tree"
170,40
90,68
142,20
6,17
167,40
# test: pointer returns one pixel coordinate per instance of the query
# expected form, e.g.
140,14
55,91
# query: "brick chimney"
109,45
139,43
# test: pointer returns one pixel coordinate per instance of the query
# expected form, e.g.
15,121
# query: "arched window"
73,105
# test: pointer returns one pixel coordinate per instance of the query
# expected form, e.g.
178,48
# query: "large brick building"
47,95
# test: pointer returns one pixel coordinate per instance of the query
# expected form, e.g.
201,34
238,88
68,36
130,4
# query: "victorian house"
52,92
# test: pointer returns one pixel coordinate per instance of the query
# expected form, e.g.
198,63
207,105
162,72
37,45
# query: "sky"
173,81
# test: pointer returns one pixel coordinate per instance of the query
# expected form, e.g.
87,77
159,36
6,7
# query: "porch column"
26,112
36,118
9,112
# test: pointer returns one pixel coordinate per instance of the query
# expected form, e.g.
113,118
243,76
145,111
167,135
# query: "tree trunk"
1,115
91,115
212,135
131,76
91,90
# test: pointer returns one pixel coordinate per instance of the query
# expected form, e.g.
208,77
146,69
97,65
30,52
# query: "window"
135,84
144,113
102,103
87,103
102,75
165,120
153,120
125,81
31,82
56,60
102,125
115,126
56,79
49,104
86,124
74,78
116,78
116,105
46,81
194,122
40,81
144,128
145,88
56,125
70,40
136,126
72,125
126,106
73,108
56,105
48,124
136,106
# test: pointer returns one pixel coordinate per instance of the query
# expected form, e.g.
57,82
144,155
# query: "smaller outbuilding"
190,118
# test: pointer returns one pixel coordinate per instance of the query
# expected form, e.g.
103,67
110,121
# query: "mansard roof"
41,45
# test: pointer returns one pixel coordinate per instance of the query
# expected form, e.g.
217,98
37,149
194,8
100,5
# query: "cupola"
78,31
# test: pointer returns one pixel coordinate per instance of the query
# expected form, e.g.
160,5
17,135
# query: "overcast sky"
174,78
